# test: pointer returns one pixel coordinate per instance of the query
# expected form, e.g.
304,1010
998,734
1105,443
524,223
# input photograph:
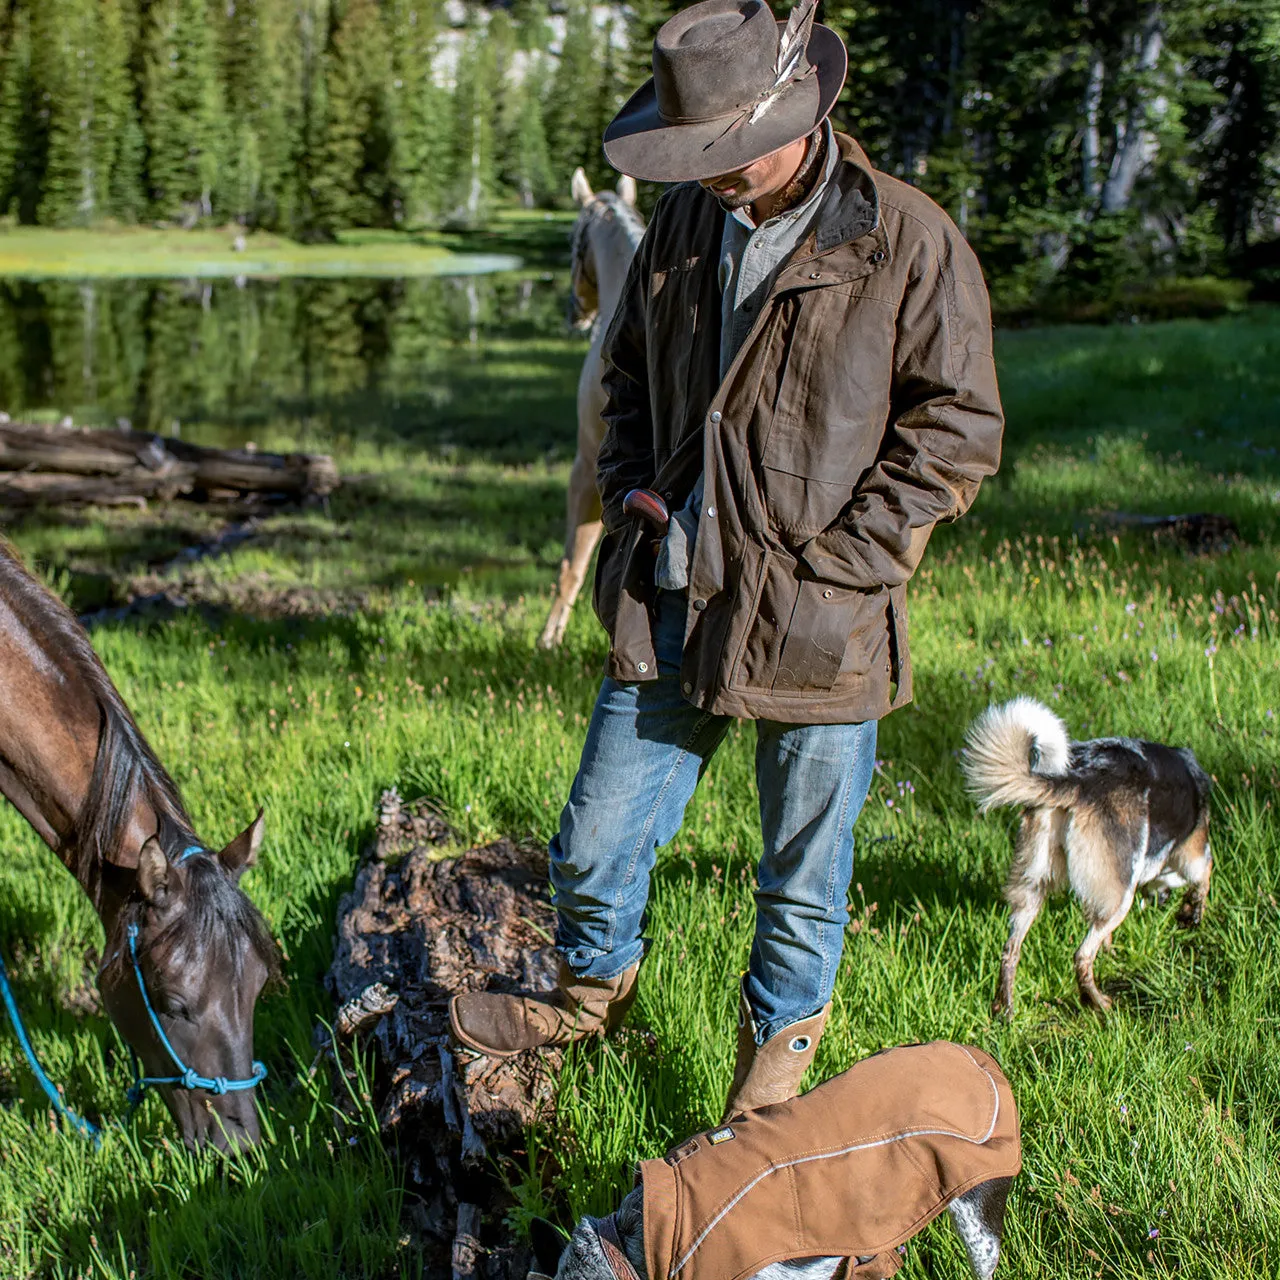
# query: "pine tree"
253,73
419,108
473,166
182,109
353,178
15,76
572,107
527,166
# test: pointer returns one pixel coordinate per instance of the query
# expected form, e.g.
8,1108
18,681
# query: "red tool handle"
649,507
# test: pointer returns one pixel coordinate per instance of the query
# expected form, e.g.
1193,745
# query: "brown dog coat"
851,1169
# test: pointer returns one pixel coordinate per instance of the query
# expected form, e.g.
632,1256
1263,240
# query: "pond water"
475,363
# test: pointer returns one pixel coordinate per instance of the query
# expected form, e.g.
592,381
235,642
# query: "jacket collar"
851,206
615,1255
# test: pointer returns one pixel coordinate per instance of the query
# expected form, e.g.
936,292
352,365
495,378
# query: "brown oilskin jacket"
850,1170
861,410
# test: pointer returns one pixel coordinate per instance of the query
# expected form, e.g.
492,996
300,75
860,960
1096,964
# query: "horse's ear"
156,878
581,188
627,190
548,1244
242,852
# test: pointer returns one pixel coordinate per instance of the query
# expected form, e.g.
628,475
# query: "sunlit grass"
1164,1119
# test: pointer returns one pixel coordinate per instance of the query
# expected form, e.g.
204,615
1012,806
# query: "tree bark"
1133,146
1091,147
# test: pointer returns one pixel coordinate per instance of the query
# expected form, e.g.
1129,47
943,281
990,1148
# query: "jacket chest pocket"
830,402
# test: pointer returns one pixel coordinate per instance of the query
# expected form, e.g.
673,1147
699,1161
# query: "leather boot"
501,1025
771,1072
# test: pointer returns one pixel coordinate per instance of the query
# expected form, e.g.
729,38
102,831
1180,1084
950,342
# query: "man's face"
766,176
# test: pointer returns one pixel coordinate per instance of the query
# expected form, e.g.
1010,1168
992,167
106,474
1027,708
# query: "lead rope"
86,1127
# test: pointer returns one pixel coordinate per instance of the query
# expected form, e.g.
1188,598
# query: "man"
801,368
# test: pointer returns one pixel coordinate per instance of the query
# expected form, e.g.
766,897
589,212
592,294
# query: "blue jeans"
646,749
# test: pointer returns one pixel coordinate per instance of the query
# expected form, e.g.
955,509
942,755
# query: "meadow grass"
1151,1139
43,253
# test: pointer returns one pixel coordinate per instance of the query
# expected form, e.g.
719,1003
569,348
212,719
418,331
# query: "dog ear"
549,1243
242,852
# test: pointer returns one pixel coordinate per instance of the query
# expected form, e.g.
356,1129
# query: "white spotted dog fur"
978,1217
1105,818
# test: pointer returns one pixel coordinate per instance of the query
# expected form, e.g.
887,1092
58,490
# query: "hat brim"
639,142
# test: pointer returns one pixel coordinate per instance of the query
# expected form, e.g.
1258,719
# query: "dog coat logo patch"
717,1136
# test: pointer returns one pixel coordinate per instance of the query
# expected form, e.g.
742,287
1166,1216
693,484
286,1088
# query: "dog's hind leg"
1100,931
1193,860
1037,868
978,1217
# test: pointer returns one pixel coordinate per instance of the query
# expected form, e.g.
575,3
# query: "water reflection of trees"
318,358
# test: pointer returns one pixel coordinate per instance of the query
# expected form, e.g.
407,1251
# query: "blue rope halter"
187,1078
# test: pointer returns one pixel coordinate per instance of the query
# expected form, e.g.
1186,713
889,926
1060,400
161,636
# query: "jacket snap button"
878,256
699,605
642,667
826,595
715,417
815,275
688,688
711,513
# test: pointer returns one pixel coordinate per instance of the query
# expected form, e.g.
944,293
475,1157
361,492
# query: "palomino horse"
187,953
605,238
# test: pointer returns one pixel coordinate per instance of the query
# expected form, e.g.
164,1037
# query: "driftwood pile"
417,928
42,466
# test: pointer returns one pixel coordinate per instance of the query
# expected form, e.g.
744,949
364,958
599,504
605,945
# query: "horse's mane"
605,206
124,765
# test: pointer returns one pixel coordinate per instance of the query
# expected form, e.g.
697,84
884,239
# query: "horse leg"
584,529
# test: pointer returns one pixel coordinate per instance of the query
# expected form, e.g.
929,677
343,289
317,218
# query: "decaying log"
46,466
418,927
1199,532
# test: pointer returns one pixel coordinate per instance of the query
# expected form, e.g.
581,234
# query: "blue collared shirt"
750,258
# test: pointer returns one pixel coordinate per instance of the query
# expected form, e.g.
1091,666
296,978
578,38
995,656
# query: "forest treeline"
1082,145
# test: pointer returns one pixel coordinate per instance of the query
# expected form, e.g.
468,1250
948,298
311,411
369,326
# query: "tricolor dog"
1106,817
826,1185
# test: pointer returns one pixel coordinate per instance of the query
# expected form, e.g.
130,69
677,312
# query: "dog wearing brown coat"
1105,818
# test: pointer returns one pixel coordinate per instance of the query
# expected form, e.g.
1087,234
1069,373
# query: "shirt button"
711,513
642,667
688,688
826,595
715,417
699,605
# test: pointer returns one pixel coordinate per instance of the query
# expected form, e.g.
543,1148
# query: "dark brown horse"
75,765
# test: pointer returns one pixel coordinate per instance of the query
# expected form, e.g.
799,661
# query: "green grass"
1164,1118
41,253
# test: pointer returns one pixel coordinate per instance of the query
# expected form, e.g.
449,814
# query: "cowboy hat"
730,85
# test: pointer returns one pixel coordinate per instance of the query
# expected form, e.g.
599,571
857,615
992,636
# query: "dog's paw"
1190,913
1095,1000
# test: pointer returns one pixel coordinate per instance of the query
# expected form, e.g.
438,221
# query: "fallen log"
417,928
52,465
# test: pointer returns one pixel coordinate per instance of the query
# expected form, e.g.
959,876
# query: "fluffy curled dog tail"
1018,753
